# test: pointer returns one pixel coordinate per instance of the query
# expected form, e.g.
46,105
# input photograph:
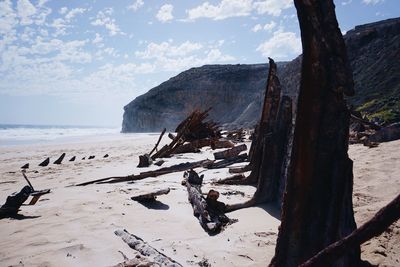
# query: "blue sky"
79,62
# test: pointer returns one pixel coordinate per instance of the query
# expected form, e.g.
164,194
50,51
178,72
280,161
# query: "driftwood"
209,212
36,194
230,153
191,129
158,141
72,159
171,136
233,180
60,159
268,146
144,161
196,128
317,205
136,243
14,202
242,169
148,197
155,173
365,122
186,148
25,166
374,227
221,144
226,162
160,162
45,162
236,135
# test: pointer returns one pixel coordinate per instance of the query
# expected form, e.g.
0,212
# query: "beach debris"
193,178
149,197
45,162
144,161
91,157
195,128
149,254
270,150
230,153
317,207
174,168
233,193
160,162
36,194
240,169
25,166
106,156
13,202
191,129
238,135
72,159
60,159
210,212
220,143
226,162
171,136
236,179
368,133
374,227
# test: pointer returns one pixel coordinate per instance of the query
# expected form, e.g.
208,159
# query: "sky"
80,62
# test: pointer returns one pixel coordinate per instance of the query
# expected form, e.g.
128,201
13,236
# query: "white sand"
74,226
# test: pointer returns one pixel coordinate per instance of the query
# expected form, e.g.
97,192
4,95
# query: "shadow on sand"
154,205
18,217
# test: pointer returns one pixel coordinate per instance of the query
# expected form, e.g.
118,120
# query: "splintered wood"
210,212
149,255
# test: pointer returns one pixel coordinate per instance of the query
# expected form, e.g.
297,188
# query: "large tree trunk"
317,205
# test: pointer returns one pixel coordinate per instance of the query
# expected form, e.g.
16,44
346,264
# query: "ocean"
14,134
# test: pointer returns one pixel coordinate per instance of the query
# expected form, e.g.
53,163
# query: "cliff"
235,92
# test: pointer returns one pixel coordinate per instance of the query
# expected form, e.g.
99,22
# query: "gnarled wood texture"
317,205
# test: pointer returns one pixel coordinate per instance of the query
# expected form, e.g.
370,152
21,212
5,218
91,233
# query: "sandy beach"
74,226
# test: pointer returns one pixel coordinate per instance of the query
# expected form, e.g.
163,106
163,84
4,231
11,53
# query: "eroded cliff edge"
235,92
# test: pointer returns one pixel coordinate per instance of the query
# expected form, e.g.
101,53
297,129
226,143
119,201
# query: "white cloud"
136,5
166,56
345,3
103,18
270,26
73,12
7,17
165,13
272,7
225,9
166,49
25,11
61,24
257,28
238,8
267,27
282,46
97,39
372,2
63,10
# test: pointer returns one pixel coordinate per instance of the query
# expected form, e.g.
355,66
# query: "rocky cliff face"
235,92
